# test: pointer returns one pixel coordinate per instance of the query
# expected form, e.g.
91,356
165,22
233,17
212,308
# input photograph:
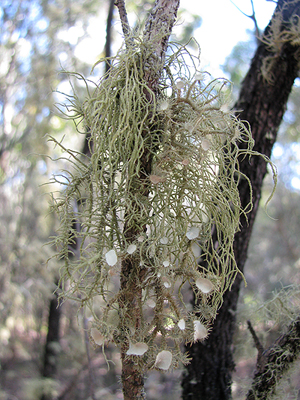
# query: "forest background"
37,41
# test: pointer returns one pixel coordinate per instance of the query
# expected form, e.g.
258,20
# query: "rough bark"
208,376
156,35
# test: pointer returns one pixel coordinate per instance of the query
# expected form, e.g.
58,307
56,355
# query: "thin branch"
241,11
258,345
123,17
252,16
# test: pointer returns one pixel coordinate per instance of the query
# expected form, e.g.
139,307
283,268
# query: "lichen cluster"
163,176
279,33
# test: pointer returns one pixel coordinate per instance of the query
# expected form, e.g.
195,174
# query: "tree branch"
159,25
258,345
123,17
276,361
252,16
156,35
157,31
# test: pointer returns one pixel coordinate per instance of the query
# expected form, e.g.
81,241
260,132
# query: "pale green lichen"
279,33
171,203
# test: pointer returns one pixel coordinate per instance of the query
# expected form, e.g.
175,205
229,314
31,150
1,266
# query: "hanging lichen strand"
159,218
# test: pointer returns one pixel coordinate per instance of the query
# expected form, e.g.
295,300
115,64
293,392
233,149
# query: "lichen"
159,213
280,33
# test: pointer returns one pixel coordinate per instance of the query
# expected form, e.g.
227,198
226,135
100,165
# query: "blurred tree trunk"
52,341
262,103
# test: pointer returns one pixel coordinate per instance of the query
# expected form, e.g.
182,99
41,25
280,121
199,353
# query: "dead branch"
258,345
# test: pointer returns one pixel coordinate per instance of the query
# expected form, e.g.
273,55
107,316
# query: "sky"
223,25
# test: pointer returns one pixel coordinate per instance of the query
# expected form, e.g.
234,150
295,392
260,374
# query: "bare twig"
258,345
251,16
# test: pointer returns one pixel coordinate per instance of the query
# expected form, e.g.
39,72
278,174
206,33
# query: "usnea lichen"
279,33
163,175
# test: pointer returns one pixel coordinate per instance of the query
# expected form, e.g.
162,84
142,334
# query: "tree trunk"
263,103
